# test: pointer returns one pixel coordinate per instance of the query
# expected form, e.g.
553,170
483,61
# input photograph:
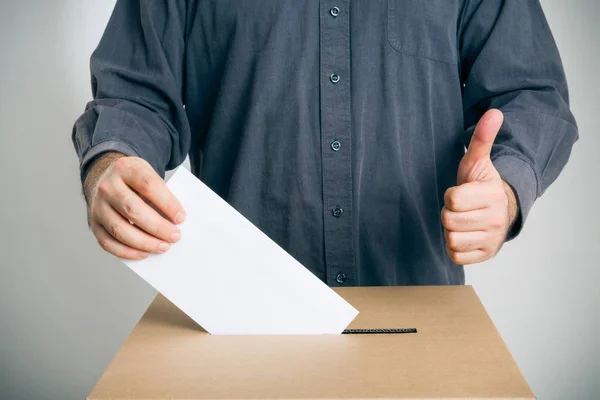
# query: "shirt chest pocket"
423,28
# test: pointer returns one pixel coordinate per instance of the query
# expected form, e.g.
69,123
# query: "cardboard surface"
456,354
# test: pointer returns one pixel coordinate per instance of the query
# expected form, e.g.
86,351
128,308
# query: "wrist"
95,169
513,207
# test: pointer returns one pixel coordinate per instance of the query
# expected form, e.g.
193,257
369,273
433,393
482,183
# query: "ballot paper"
232,279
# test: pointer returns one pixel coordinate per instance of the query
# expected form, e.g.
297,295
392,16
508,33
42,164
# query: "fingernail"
179,218
142,256
175,236
163,247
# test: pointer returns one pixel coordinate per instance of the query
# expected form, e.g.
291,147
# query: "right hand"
117,190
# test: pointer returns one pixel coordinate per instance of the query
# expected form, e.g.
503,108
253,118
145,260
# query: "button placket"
335,130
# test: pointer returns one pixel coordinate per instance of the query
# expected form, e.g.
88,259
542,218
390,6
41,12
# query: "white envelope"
231,278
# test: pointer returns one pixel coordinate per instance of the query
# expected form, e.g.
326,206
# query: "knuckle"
104,188
105,244
94,211
452,198
455,257
447,194
446,218
122,164
451,253
131,210
156,231
116,231
146,182
452,239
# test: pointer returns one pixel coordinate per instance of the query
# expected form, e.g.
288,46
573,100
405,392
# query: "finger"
113,246
466,258
131,206
467,221
480,146
472,196
466,241
140,176
128,234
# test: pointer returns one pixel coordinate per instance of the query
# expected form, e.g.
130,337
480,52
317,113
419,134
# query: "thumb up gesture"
480,210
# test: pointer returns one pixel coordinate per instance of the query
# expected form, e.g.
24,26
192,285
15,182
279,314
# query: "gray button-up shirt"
335,126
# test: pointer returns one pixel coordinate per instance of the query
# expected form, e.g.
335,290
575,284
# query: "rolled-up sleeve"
137,85
509,61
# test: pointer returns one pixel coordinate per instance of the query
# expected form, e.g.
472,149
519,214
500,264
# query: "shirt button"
335,78
337,211
335,145
341,278
334,11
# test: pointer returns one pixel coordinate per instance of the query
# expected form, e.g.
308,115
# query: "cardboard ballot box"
456,353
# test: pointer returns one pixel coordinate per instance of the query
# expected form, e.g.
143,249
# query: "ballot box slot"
378,331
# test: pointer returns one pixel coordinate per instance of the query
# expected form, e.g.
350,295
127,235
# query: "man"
338,127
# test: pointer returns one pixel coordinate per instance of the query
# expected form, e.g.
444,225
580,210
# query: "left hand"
480,210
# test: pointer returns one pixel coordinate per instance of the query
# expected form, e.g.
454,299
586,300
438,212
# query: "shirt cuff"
109,146
520,176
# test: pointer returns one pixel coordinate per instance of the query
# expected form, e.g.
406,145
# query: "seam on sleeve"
114,141
85,156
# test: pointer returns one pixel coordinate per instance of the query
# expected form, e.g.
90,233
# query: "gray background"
66,307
